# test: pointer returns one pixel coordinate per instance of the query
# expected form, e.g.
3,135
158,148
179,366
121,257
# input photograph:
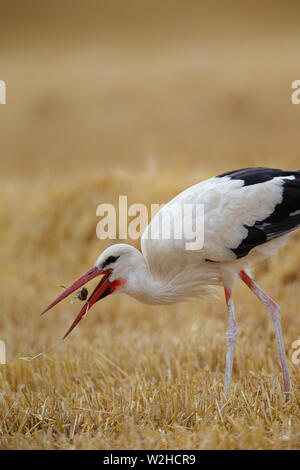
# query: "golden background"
142,98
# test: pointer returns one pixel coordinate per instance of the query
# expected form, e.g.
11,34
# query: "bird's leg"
274,312
231,336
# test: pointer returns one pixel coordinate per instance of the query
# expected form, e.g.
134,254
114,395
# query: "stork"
248,215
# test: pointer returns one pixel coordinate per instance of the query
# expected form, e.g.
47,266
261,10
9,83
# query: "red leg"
274,312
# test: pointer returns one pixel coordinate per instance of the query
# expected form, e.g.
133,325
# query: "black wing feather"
284,218
256,175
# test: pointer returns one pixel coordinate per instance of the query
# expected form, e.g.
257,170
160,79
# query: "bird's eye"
109,260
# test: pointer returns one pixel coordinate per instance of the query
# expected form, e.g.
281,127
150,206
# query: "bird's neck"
146,288
157,288
141,285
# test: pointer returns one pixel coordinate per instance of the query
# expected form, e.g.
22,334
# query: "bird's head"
119,266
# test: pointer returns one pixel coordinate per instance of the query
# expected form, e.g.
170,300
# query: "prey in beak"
103,289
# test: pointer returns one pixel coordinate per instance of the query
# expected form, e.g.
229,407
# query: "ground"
85,122
131,375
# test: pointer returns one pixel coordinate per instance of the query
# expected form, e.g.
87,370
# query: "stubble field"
143,121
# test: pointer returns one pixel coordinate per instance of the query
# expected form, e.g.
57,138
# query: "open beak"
103,288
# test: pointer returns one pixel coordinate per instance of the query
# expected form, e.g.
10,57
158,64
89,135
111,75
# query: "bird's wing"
242,209
286,214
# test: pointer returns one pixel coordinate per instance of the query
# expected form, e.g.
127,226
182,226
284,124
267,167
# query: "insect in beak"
103,288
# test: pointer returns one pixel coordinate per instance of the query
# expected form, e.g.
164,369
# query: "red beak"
102,290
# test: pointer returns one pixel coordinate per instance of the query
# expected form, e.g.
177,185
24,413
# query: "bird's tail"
290,205
286,216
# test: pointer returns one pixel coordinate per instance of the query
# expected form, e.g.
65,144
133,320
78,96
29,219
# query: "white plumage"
247,216
228,207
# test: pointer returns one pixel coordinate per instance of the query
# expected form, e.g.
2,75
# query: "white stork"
248,215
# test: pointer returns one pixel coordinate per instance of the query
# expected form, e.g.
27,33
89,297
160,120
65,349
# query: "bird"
247,215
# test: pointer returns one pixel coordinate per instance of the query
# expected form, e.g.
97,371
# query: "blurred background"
102,83
142,98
